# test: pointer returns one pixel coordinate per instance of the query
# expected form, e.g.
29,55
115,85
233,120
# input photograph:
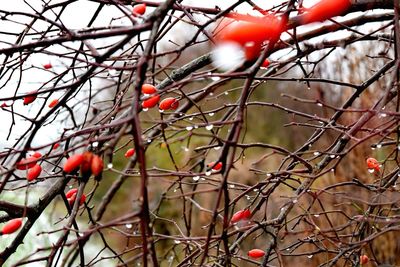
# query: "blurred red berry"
325,9
27,163
47,66
97,165
37,155
53,103
139,9
73,163
256,253
265,64
241,215
364,259
30,98
217,166
169,103
11,226
151,102
34,172
250,32
372,163
148,89
71,196
130,152
71,192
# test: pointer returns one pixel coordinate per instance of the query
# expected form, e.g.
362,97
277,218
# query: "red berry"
265,64
217,166
82,200
241,215
34,172
364,259
372,163
11,226
71,196
251,32
27,163
53,103
151,102
56,145
130,152
37,155
148,89
256,253
71,192
73,163
47,66
246,214
30,98
86,165
169,103
97,165
139,9
325,9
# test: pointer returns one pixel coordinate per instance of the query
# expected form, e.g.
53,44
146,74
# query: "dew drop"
379,146
161,110
177,241
208,173
128,225
371,170
145,109
269,175
316,215
196,126
255,190
319,104
209,127
196,178
295,201
316,153
95,144
203,179
215,78
189,128
309,256
211,94
248,197
332,156
217,148
191,118
149,141
232,186
186,149
226,93
109,165
382,115
211,114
